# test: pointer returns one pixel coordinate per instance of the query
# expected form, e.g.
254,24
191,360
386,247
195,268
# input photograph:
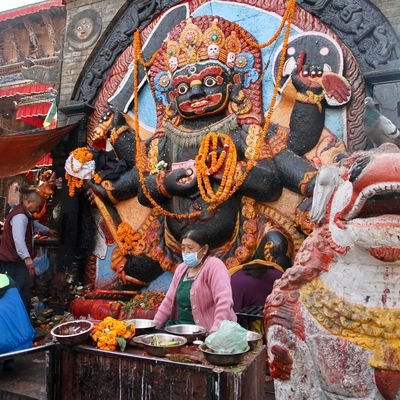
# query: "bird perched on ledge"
378,128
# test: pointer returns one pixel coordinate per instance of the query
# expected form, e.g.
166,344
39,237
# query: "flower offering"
111,333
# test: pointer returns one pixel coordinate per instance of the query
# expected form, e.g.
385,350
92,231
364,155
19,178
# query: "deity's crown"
194,45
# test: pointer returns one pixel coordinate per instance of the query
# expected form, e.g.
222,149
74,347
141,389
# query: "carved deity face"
83,28
201,89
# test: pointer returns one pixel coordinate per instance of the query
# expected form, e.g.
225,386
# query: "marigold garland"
73,183
111,333
131,241
40,214
227,158
137,57
82,154
290,9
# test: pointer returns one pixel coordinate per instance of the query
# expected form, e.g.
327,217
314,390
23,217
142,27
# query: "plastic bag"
229,338
42,263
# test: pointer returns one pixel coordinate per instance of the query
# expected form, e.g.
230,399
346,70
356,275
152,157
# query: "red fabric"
34,121
29,113
45,161
26,89
8,252
34,8
21,151
33,110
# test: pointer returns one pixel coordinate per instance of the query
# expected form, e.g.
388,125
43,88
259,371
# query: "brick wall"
74,59
391,10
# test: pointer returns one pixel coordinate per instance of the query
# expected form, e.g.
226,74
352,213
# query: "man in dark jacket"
16,246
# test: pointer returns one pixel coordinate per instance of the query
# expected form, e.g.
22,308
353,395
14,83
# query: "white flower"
160,166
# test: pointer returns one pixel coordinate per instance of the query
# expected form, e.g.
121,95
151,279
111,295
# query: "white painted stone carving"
333,320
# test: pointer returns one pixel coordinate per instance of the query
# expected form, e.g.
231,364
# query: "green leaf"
122,343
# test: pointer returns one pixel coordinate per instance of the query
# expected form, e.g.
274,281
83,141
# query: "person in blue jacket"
16,329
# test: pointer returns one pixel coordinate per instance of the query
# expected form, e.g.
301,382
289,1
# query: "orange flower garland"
228,156
132,242
290,10
137,57
73,183
111,333
82,154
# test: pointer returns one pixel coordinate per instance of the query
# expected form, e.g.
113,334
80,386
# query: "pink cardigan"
210,296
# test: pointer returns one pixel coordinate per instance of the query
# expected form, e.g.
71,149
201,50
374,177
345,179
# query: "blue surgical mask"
191,259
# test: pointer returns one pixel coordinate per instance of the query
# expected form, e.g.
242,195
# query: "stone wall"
87,21
386,89
391,10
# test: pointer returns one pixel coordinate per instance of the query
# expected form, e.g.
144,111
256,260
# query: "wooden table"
85,373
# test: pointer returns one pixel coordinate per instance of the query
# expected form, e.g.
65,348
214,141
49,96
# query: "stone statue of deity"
215,162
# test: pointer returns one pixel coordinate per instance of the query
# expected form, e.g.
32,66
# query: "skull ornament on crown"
207,59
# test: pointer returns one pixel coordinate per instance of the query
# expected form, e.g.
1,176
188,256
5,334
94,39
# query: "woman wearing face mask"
200,292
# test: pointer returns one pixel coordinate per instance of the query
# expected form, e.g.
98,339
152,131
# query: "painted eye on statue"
182,88
209,81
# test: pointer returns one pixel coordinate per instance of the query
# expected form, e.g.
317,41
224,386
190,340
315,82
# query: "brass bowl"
72,333
222,359
146,342
253,338
190,332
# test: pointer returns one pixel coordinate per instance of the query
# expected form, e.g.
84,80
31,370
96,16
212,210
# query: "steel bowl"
142,326
253,338
190,332
222,359
147,343
72,333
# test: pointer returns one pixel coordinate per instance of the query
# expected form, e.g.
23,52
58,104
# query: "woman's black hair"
200,237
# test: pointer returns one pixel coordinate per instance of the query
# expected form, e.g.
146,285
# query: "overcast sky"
10,4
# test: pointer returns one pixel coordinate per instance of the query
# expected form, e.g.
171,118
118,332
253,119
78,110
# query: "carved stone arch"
363,29
370,45
133,15
358,23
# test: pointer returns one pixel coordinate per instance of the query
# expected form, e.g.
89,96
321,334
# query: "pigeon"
377,127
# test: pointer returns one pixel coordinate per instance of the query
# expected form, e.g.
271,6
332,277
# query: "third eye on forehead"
187,76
